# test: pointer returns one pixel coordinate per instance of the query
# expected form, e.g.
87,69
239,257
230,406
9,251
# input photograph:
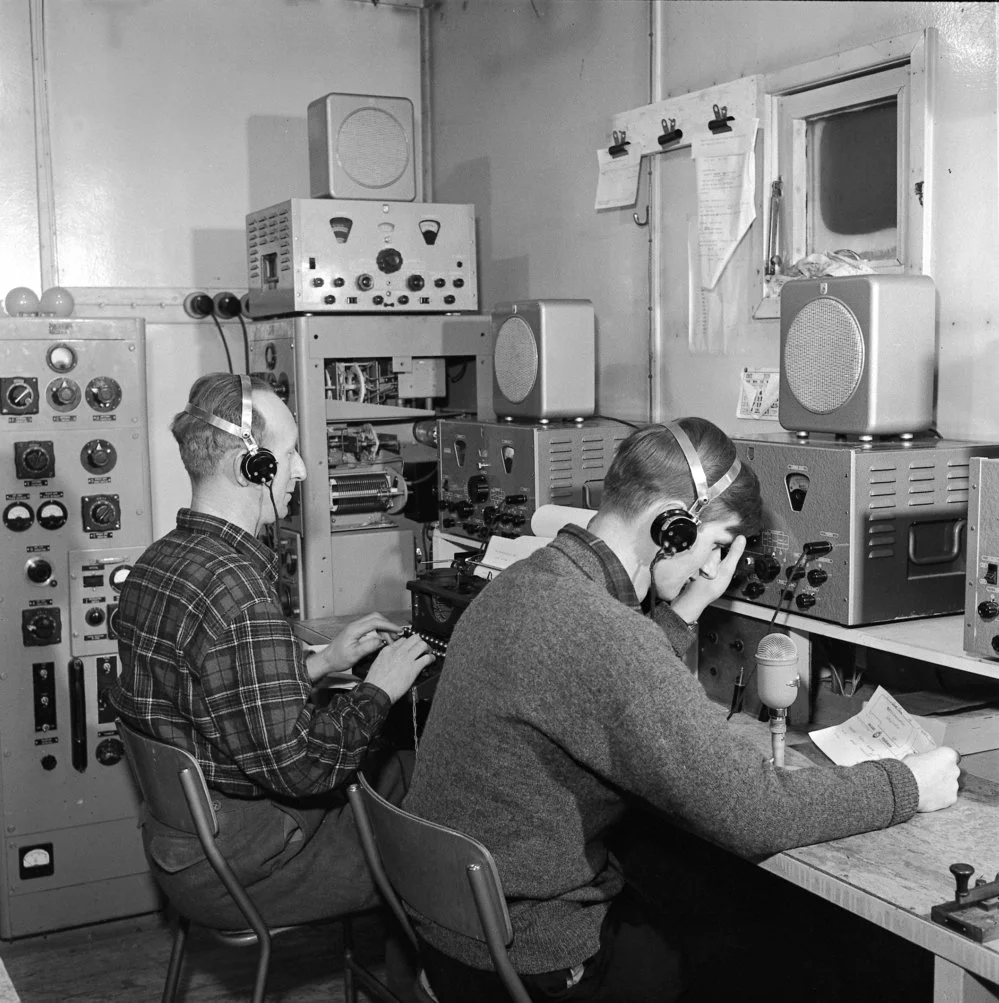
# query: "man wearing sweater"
562,704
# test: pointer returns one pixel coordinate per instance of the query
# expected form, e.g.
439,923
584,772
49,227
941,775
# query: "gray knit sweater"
556,699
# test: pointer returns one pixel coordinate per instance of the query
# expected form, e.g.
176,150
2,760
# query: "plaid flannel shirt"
210,663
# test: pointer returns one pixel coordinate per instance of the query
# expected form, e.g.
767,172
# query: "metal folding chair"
440,873
174,790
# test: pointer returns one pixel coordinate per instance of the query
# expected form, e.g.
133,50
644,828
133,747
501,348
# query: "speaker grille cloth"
824,355
372,148
515,359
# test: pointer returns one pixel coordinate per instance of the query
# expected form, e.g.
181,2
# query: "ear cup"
258,466
674,530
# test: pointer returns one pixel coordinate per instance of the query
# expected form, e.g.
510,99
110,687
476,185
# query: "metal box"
341,256
981,602
494,475
859,532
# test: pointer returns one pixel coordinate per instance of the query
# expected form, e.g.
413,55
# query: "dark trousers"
639,961
299,861
698,924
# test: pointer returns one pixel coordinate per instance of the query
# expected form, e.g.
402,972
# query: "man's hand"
398,665
357,639
936,774
702,592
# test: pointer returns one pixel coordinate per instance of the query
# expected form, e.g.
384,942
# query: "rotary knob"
103,393
94,616
63,394
38,570
388,260
103,513
98,456
478,488
415,283
988,610
42,626
109,751
767,568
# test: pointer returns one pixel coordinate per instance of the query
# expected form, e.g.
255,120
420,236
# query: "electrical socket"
198,305
227,305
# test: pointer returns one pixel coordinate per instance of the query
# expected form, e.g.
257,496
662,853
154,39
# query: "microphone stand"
778,731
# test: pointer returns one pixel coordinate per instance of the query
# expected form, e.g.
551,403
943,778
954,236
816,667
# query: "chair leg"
349,985
181,925
263,967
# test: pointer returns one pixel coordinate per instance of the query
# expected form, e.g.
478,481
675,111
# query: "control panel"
494,475
359,256
981,595
859,532
74,470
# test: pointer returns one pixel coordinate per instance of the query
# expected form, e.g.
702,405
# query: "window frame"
798,89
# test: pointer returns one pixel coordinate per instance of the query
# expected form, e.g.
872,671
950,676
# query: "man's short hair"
650,467
202,446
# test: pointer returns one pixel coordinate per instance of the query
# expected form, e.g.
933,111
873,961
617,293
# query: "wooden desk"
893,877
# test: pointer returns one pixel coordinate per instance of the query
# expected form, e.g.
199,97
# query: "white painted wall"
521,94
523,91
168,121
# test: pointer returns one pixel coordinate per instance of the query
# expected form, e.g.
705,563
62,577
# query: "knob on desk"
962,875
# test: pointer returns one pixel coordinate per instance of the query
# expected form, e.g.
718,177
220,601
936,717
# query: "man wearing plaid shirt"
210,664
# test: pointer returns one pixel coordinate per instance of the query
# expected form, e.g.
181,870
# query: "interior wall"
521,95
158,125
518,68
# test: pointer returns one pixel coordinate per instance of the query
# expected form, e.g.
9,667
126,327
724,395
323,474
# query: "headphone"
675,530
258,465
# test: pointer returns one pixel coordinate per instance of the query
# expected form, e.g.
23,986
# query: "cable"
622,421
225,344
246,341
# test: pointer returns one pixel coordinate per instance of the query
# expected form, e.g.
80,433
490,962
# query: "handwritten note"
882,730
617,181
726,187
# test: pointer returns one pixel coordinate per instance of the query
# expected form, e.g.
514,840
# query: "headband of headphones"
703,495
242,430
258,465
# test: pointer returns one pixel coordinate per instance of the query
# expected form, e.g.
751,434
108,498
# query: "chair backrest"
170,780
437,871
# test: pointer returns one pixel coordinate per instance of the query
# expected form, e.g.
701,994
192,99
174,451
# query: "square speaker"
361,147
858,354
544,359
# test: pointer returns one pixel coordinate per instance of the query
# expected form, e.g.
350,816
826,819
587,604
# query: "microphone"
777,684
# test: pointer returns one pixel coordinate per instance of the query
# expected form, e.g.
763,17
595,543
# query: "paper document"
882,730
617,181
726,196
503,551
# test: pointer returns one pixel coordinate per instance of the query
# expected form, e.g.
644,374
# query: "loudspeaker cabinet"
544,359
858,354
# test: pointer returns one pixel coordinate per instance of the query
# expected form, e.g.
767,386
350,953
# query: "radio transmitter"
859,532
493,475
981,596
360,256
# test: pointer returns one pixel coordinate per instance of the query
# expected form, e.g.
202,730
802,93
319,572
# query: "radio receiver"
857,355
859,532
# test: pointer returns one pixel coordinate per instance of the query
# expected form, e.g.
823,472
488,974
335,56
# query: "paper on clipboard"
726,191
617,180
882,730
